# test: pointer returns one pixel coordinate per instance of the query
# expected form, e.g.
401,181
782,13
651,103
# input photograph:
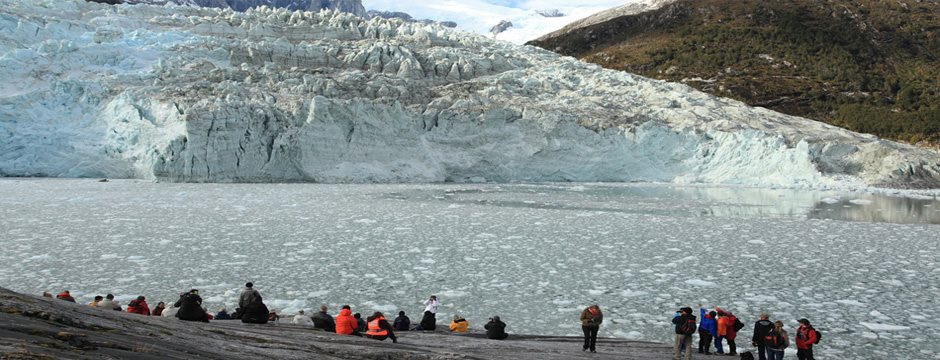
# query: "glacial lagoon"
864,267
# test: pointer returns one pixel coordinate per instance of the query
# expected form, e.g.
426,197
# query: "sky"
480,15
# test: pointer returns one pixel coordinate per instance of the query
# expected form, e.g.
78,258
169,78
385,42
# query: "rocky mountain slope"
43,328
199,94
869,66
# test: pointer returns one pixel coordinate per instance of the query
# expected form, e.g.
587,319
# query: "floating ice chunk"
757,242
851,302
860,202
317,294
428,261
830,200
884,327
109,256
365,221
453,293
699,282
632,293
561,302
41,257
893,282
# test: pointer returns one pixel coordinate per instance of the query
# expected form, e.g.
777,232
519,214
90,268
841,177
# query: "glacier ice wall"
209,95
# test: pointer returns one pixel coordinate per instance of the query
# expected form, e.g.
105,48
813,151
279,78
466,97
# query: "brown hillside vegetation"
868,65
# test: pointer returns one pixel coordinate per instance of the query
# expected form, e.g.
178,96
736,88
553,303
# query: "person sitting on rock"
255,312
65,295
46,294
247,296
402,322
158,311
223,315
109,304
346,324
379,328
273,316
190,307
324,321
362,323
496,329
98,299
428,322
459,325
301,319
138,306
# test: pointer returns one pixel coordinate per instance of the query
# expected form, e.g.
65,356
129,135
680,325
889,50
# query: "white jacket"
432,306
300,319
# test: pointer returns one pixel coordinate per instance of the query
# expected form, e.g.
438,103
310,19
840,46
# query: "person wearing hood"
402,322
301,319
109,304
707,332
459,325
496,329
324,321
591,319
65,295
379,328
726,330
98,299
361,322
685,327
428,322
190,307
138,306
761,328
222,315
345,323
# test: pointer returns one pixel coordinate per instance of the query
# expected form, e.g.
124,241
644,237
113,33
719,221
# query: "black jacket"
495,329
429,321
681,319
322,320
402,323
191,308
761,329
256,312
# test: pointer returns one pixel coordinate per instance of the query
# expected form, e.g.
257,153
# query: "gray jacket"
248,295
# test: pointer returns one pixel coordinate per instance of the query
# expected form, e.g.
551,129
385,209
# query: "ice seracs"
213,95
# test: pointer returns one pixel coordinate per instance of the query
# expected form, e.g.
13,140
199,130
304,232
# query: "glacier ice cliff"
213,95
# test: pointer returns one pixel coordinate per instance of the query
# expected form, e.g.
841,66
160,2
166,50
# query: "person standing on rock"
379,328
591,319
776,341
324,321
685,327
806,337
707,331
496,329
761,328
190,307
726,331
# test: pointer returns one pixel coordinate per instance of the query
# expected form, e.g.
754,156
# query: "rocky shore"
33,327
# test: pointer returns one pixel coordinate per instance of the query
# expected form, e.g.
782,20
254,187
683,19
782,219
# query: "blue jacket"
708,324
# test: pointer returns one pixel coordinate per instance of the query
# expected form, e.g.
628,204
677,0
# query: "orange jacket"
375,327
726,327
345,323
459,326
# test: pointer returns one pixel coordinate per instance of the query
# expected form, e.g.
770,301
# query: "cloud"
480,15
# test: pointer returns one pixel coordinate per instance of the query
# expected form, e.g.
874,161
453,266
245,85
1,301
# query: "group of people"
719,326
251,309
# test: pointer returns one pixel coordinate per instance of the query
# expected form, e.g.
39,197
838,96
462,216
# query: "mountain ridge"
867,66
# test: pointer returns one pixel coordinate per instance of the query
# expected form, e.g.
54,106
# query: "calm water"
533,254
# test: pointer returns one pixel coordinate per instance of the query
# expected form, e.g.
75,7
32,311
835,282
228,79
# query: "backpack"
738,325
774,340
818,336
747,356
688,327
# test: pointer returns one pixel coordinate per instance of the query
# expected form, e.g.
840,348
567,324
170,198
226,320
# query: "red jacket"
65,296
138,307
345,322
726,325
805,337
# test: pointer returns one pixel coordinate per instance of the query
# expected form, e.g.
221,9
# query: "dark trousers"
704,341
590,337
805,354
761,351
732,346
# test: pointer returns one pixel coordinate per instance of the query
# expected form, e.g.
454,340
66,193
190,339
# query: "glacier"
186,94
